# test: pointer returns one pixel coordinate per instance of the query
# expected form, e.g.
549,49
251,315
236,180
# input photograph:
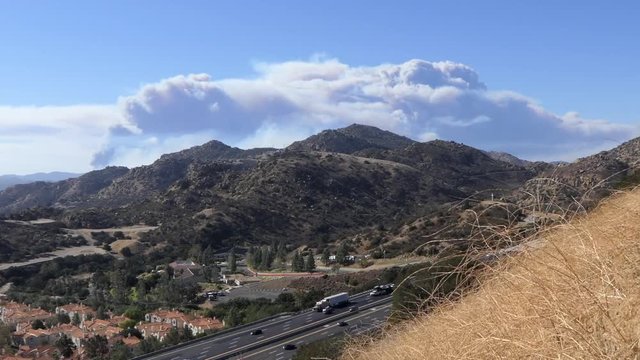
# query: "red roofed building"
157,330
202,325
84,312
172,317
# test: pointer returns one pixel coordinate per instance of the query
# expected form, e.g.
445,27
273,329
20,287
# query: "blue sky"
72,59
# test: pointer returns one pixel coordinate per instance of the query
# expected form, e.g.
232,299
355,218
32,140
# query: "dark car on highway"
342,323
256,332
288,347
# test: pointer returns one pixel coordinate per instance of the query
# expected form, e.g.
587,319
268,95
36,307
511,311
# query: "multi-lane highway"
357,323
299,328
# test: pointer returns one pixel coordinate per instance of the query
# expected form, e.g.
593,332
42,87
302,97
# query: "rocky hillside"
118,186
583,183
351,139
357,182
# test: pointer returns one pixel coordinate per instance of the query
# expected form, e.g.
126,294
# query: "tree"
207,256
294,261
232,260
341,254
120,351
126,252
5,339
310,263
326,254
97,347
173,337
267,258
148,345
186,334
281,254
76,319
37,324
63,318
211,273
257,258
300,262
65,346
233,317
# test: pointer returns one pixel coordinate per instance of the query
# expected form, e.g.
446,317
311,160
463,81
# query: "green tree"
211,272
148,345
207,256
173,337
267,258
310,263
281,254
120,351
63,318
65,346
233,317
75,320
97,347
294,261
186,334
326,254
300,262
5,339
195,253
257,258
341,254
232,260
126,252
37,324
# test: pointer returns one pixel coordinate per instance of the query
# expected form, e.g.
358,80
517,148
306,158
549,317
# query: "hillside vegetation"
573,294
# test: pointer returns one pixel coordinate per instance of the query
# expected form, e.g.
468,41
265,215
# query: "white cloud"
287,101
50,138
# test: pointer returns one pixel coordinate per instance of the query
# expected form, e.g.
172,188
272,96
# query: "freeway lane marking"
215,339
288,332
300,338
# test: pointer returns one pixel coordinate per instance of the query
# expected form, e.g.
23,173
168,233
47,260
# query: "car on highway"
353,309
288,347
342,323
328,310
256,332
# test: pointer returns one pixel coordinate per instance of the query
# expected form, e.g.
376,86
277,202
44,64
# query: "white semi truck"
333,301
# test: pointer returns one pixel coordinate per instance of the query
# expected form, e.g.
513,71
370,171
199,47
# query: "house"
13,313
185,269
84,312
157,330
171,317
78,336
202,325
34,338
131,341
44,352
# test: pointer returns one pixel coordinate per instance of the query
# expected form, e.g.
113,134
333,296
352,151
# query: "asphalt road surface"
358,323
275,331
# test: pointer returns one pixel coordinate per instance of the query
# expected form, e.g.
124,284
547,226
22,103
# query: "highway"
275,331
357,323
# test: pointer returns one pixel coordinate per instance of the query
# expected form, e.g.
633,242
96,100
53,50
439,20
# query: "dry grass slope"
577,296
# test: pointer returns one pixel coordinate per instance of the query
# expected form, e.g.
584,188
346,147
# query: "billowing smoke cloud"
287,101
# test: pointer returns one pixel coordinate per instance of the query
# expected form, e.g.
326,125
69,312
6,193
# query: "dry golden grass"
576,295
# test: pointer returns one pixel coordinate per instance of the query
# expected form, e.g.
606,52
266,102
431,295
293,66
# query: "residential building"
171,317
158,330
202,325
83,311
